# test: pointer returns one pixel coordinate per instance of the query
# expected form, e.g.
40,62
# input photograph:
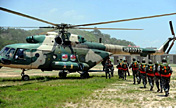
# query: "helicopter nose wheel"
23,76
62,74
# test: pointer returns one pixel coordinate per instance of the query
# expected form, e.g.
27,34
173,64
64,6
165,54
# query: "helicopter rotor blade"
123,20
108,28
171,27
172,31
170,46
53,27
17,27
27,16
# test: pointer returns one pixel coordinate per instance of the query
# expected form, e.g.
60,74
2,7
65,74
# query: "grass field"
49,91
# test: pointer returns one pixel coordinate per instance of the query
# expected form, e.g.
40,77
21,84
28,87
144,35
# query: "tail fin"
164,47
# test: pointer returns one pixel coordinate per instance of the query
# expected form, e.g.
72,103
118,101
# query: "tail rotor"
172,31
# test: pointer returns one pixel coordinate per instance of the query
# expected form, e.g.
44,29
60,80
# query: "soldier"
103,63
119,67
107,68
128,69
142,70
150,74
124,68
138,74
165,71
135,67
158,78
111,67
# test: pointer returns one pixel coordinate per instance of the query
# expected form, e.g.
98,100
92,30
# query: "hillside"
11,35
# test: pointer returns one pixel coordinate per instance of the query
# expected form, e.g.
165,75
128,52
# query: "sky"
156,30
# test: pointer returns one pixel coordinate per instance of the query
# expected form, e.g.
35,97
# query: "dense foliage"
11,35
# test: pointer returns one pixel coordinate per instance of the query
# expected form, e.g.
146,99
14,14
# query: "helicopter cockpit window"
4,51
10,53
20,54
1,51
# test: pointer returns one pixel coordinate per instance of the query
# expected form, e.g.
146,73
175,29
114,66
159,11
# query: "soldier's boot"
158,90
125,75
109,76
161,91
166,93
157,85
144,85
128,73
151,89
138,80
134,80
112,74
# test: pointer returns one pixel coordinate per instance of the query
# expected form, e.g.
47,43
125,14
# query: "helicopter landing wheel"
62,74
84,75
25,77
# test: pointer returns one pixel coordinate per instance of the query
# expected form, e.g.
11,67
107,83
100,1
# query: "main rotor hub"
64,26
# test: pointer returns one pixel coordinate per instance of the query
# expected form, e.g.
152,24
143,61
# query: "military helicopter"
68,52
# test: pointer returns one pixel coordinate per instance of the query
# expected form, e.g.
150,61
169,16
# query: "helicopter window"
20,54
1,51
4,51
10,53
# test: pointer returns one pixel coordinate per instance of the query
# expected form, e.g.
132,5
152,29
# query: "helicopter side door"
22,58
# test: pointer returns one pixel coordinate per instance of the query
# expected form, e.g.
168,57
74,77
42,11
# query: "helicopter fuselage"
42,52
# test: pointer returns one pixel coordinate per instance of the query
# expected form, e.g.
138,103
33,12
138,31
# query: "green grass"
132,91
48,92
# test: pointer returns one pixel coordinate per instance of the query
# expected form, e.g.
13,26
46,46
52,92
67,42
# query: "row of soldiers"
159,73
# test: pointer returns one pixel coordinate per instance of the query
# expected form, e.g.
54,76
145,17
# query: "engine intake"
35,39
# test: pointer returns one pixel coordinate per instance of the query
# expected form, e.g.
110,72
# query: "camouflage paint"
42,52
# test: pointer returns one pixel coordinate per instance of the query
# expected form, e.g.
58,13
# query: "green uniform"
142,70
158,78
135,67
107,69
124,69
150,74
165,71
119,67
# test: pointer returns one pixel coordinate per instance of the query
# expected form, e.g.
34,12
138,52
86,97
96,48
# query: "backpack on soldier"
164,68
135,64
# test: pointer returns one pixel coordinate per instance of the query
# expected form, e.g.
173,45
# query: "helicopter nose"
5,61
